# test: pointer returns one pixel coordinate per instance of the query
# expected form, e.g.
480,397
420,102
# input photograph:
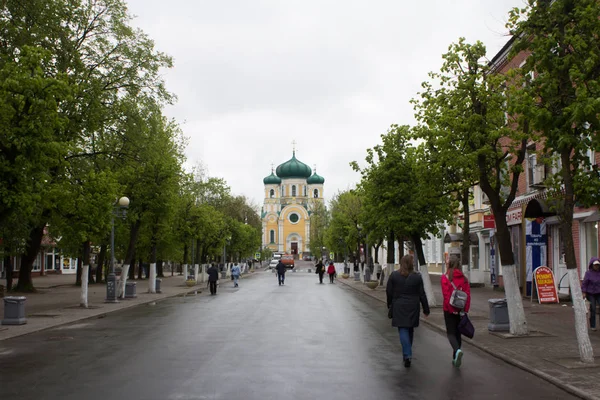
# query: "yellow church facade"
290,194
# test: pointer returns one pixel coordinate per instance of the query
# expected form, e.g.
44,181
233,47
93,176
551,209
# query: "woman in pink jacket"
452,315
331,271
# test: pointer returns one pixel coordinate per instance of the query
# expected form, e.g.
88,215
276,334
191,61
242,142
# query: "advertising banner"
544,282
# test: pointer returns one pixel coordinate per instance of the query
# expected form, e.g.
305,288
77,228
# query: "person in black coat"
404,293
213,277
320,269
281,268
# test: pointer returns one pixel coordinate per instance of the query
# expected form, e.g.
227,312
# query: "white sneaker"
458,358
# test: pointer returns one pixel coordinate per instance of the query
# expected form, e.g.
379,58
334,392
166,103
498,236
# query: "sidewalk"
549,352
57,301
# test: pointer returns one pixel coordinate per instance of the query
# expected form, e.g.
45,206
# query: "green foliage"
401,192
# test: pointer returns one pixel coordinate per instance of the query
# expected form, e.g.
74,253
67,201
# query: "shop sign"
489,222
544,282
514,217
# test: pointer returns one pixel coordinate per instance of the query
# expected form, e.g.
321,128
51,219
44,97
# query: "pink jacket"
460,281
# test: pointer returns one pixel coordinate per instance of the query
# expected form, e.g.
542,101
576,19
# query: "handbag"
465,327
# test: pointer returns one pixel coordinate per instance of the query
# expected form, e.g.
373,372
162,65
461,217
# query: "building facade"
291,193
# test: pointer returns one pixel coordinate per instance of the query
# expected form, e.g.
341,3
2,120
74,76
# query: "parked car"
273,263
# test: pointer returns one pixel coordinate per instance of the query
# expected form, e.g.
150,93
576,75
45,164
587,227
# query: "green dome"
293,169
272,180
315,179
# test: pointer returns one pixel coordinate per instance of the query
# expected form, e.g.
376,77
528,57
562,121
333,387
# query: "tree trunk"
9,271
85,270
152,271
122,281
34,242
159,269
390,258
424,269
586,352
466,243
140,269
131,274
78,271
516,313
101,260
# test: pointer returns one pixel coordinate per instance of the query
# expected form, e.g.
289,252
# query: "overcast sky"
252,76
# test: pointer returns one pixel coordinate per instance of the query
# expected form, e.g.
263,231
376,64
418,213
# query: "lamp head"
123,202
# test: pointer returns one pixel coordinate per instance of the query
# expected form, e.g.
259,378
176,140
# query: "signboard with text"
489,222
544,282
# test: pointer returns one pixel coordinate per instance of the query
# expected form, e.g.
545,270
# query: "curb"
534,371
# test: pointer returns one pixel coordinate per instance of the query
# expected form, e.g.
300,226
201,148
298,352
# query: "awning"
538,208
593,218
458,237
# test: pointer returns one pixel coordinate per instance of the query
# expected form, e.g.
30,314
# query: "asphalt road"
259,341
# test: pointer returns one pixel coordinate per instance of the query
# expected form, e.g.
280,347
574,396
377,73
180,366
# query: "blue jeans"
594,300
281,278
235,280
406,340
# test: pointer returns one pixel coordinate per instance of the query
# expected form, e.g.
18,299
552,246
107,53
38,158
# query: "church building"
290,194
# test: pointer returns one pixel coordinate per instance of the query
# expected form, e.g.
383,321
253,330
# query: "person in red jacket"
331,271
452,315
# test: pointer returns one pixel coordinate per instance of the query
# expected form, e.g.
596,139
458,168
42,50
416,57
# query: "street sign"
544,282
257,256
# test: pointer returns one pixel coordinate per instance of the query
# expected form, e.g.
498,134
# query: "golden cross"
294,145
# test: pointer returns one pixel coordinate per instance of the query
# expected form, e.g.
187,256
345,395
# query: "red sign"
489,222
544,282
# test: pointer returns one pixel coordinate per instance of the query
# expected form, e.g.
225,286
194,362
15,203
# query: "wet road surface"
259,341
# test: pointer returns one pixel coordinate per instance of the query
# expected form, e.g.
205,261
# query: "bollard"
158,282
357,276
130,290
223,274
14,310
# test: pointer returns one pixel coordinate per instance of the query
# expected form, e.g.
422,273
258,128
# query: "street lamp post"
119,210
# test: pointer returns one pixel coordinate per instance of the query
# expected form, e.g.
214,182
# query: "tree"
97,59
469,108
561,104
403,194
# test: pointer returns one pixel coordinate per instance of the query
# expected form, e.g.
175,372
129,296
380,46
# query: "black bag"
465,327
390,313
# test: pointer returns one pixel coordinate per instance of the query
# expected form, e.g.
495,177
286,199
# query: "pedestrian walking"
454,279
331,271
235,274
591,288
213,277
281,269
405,292
320,269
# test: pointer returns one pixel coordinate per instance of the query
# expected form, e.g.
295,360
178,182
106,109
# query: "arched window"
272,236
316,193
272,193
304,191
293,190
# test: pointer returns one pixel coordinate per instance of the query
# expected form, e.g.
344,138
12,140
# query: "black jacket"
281,268
213,274
320,268
404,295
